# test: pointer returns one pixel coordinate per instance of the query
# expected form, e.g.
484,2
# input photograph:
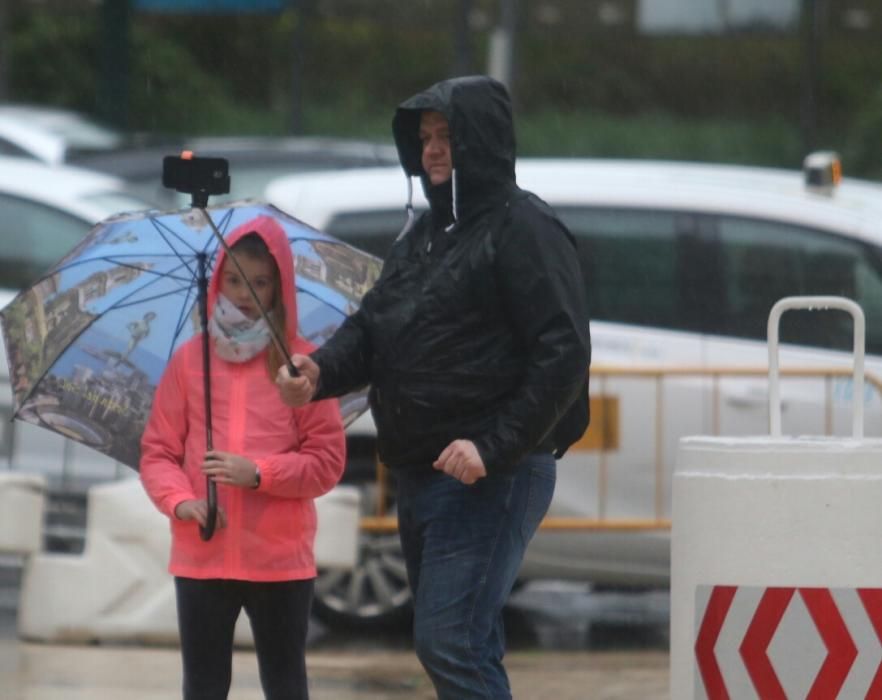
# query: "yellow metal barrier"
603,436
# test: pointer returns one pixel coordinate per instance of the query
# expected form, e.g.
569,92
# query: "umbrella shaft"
211,488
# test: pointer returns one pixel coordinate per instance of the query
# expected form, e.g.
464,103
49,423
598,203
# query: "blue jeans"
463,546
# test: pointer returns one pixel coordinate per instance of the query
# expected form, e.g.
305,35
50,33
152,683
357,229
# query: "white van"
682,263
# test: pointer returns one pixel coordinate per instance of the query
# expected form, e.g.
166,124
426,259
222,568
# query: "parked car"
254,162
44,212
52,135
682,264
23,140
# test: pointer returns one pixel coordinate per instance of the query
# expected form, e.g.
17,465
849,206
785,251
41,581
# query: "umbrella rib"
158,224
118,260
70,266
73,340
186,310
162,229
169,274
117,305
185,306
50,365
210,245
166,232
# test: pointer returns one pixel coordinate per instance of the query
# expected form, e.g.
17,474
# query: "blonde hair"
254,247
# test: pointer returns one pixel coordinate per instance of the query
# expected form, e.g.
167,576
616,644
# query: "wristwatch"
256,478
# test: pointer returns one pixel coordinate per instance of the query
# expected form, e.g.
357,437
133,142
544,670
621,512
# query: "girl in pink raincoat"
270,461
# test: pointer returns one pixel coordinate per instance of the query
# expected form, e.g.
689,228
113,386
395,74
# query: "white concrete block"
761,513
22,507
119,588
336,541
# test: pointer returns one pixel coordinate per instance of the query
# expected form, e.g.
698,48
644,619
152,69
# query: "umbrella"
88,342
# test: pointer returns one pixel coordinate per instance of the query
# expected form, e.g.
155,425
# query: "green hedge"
734,98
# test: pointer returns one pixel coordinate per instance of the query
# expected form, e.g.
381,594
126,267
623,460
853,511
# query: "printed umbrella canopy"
87,343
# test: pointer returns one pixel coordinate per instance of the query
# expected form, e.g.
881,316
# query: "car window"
764,261
7,148
42,236
371,231
635,265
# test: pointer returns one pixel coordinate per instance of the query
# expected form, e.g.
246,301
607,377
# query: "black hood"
478,110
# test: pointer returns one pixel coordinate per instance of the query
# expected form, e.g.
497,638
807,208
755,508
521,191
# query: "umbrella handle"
206,532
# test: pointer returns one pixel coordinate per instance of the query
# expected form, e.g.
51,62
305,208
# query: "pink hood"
277,241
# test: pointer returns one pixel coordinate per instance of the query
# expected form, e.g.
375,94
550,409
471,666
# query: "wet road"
565,642
48,672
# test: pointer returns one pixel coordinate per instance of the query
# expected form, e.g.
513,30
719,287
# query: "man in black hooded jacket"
475,343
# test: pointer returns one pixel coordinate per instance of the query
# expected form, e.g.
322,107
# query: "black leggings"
278,612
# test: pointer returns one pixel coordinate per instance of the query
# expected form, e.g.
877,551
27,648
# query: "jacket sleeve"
162,445
543,295
344,359
316,467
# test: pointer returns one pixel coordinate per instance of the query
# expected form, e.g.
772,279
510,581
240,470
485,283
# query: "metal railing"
381,521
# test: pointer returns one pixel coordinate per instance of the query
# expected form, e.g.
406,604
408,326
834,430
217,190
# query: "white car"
44,212
682,264
253,162
52,134
23,140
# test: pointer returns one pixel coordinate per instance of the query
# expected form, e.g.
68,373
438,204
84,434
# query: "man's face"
435,138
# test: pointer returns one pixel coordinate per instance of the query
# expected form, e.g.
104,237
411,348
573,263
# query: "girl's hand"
198,511
230,469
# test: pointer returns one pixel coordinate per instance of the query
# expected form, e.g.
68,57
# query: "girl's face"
261,274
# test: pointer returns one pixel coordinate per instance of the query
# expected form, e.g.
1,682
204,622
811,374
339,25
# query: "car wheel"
373,594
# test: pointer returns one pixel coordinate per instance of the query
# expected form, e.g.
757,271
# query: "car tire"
374,595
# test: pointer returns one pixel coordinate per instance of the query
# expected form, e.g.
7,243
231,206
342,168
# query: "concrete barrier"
762,530
22,508
119,589
776,565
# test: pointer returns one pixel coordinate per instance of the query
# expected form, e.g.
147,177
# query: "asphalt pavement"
565,643
55,672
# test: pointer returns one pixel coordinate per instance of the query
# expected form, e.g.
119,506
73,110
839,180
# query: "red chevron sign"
782,643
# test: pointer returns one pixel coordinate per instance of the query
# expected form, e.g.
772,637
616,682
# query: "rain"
709,159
